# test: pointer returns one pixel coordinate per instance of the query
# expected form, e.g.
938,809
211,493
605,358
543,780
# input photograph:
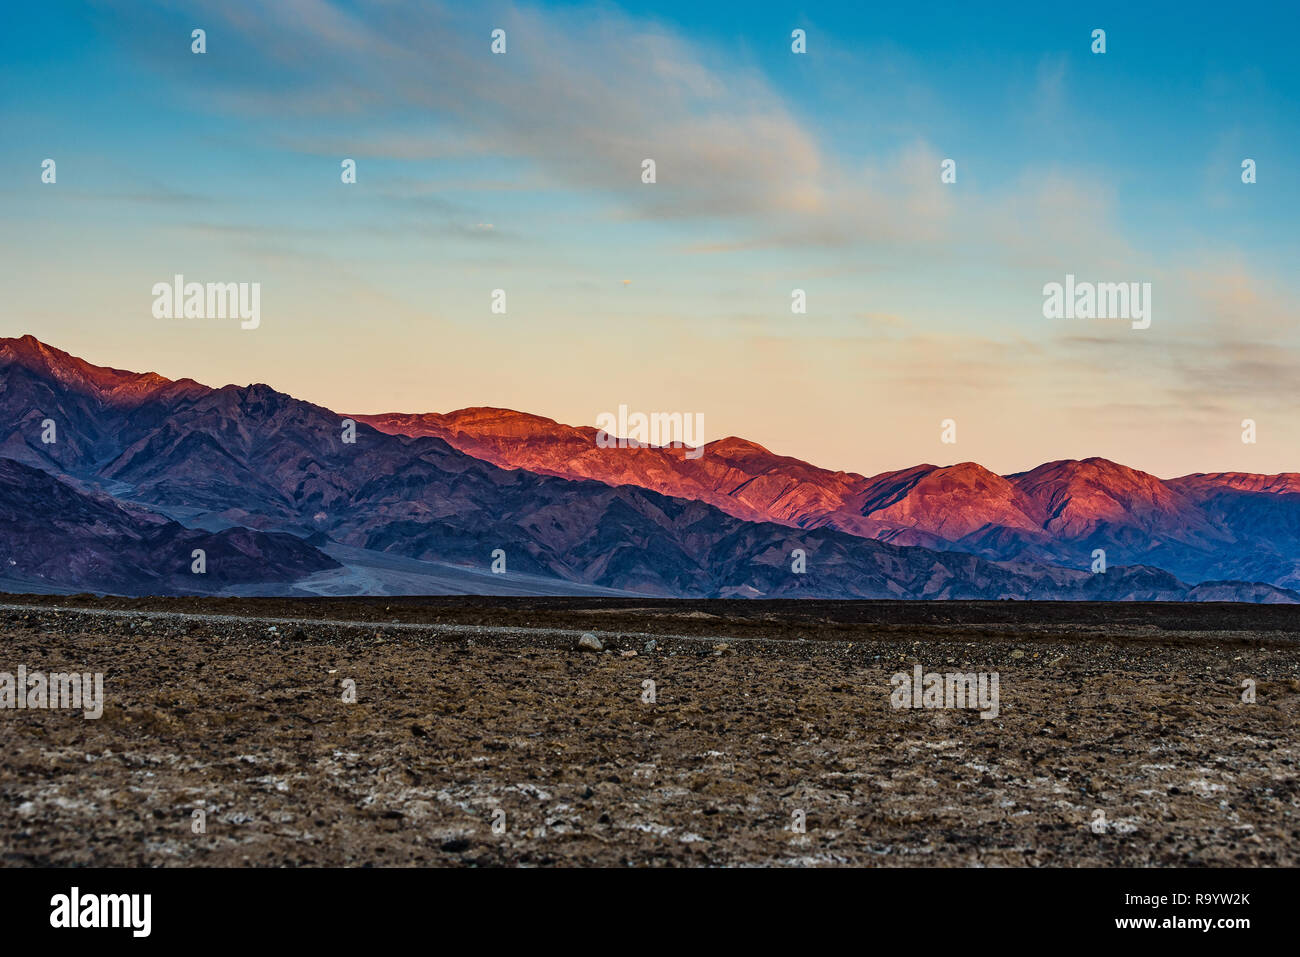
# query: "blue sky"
776,171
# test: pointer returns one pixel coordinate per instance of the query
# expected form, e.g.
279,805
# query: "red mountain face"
1079,499
1060,512
741,478
1075,497
947,504
111,387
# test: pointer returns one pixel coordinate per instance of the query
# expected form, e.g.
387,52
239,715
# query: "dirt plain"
1121,739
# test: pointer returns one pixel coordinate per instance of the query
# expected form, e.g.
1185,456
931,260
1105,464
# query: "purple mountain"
148,469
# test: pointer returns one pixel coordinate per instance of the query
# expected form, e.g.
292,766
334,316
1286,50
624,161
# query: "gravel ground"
1121,737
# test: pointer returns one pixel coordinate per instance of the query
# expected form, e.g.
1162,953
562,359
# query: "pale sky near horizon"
775,171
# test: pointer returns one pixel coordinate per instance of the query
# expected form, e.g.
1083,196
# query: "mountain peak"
105,383
953,501
735,444
1080,496
494,420
966,469
1092,469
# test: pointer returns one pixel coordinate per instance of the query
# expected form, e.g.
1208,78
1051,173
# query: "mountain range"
1198,527
110,480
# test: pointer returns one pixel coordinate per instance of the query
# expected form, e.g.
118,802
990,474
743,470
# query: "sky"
775,171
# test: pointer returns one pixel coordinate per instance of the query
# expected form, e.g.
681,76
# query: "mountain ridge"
1061,512
255,458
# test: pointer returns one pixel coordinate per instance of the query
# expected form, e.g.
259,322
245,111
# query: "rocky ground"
1121,738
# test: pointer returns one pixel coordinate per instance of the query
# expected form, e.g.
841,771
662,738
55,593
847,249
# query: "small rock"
650,646
1017,653
629,654
590,642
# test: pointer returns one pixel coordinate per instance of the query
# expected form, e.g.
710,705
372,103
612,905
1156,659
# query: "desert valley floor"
482,735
